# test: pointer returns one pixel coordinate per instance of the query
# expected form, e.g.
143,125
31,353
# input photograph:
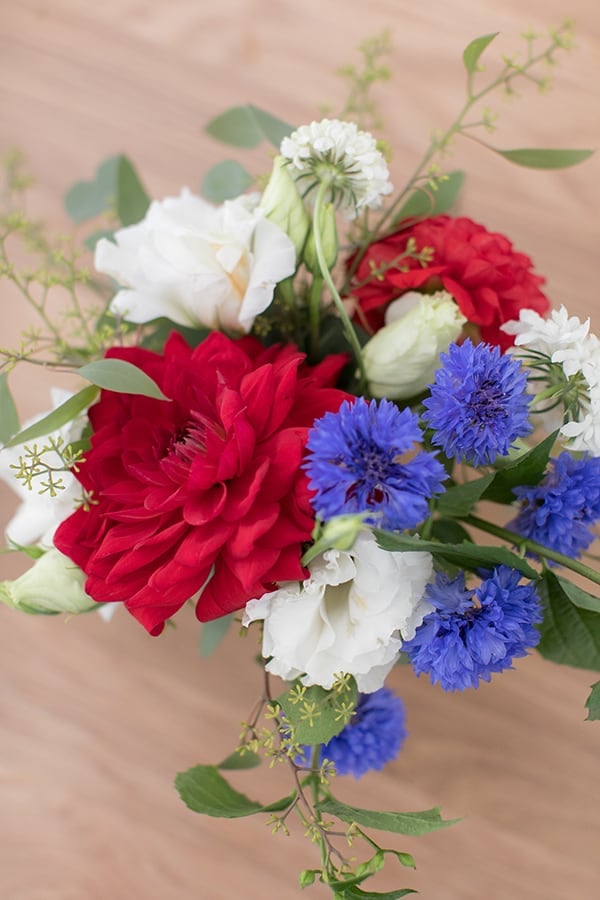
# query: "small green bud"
283,205
329,240
306,878
338,533
53,584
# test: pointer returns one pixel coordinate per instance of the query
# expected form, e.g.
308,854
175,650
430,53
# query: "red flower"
489,280
205,487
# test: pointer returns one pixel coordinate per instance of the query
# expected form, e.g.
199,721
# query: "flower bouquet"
330,414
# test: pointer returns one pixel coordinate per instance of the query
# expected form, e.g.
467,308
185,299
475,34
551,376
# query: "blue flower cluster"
562,509
478,403
473,633
355,465
373,738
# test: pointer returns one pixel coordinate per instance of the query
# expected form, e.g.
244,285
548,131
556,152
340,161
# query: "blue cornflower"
561,510
473,633
373,737
478,403
355,465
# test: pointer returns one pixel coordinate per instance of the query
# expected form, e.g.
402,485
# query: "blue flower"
560,511
355,465
478,403
372,738
473,633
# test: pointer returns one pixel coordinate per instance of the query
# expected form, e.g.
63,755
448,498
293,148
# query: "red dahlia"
490,281
205,487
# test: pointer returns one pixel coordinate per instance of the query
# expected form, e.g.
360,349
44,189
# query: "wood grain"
96,719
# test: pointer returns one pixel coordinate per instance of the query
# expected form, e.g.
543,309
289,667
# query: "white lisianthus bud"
282,204
53,584
329,241
401,358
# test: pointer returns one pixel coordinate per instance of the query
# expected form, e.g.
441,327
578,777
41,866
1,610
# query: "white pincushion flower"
198,264
350,616
345,158
567,343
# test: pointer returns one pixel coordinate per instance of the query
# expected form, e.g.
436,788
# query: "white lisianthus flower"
402,357
39,515
347,159
566,342
52,584
350,616
197,264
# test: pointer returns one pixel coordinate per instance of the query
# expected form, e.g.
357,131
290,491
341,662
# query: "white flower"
350,616
346,158
52,584
401,358
39,515
197,264
567,342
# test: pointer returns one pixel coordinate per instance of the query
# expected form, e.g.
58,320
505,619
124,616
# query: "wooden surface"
96,719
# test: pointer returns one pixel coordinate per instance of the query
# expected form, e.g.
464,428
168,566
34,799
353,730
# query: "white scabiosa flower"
347,159
197,264
349,617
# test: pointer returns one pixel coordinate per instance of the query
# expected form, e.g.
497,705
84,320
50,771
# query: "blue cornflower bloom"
355,465
478,403
562,509
372,738
473,633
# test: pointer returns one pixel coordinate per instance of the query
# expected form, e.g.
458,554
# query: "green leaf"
578,596
315,719
412,823
204,790
473,51
212,633
93,238
353,892
528,469
459,500
64,413
237,760
593,703
9,417
422,202
448,531
247,126
225,180
116,188
120,376
570,635
544,158
467,556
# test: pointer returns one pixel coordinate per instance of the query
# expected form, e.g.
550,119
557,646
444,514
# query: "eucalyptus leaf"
93,238
237,760
122,377
459,500
544,157
569,635
64,413
9,417
212,633
225,180
204,790
473,51
248,126
426,202
132,199
115,188
592,704
411,823
316,718
528,469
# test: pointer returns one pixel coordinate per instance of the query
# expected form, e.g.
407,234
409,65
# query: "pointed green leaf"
316,718
115,188
544,158
353,892
473,51
212,633
225,180
204,790
423,203
9,417
593,703
237,760
579,597
64,413
247,126
528,469
132,199
467,556
570,635
412,823
459,500
121,376
448,531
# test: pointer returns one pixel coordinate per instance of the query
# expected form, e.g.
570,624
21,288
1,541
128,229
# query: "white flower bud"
401,358
53,584
282,204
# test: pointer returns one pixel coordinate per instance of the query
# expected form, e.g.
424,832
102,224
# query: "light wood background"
96,719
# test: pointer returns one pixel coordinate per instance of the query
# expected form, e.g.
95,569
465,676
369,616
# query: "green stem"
525,543
314,315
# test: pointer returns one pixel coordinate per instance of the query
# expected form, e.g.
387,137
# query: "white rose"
197,264
52,584
350,616
401,358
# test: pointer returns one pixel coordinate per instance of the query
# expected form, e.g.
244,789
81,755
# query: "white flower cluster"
348,159
567,341
350,616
